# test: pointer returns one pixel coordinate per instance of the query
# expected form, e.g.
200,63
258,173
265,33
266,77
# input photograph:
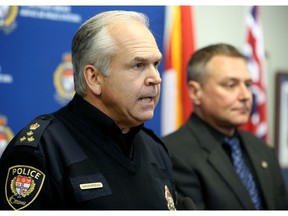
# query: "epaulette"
152,134
31,134
155,137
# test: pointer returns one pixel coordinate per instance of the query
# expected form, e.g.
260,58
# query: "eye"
156,64
230,84
138,66
248,84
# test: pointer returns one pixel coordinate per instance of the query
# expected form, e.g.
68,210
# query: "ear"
93,79
195,92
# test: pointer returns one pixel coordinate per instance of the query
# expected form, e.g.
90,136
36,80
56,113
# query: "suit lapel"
220,161
261,166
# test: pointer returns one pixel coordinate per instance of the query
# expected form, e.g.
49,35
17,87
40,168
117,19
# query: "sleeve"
24,182
188,184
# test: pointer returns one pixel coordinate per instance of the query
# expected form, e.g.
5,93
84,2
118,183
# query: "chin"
146,117
240,123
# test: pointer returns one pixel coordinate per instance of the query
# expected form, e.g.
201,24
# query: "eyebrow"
237,79
142,59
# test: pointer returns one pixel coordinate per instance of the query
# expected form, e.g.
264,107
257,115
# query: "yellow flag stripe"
176,42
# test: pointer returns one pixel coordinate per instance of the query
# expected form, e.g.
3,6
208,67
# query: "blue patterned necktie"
243,171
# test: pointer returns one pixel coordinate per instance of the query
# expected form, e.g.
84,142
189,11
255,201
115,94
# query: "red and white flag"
254,50
179,45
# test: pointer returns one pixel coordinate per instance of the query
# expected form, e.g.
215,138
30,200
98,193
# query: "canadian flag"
179,45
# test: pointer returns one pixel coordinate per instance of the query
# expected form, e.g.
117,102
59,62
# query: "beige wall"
227,24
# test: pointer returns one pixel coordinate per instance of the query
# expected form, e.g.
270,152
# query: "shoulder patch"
32,133
22,186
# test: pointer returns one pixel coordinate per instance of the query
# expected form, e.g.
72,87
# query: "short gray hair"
196,69
92,44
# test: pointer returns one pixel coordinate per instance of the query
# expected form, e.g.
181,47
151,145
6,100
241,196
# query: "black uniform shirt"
76,159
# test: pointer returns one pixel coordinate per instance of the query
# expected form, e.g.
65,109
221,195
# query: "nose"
245,92
153,76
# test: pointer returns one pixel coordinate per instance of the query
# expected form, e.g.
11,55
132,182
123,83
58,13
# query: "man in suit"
206,169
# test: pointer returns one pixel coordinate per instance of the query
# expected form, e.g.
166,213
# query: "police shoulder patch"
22,186
32,133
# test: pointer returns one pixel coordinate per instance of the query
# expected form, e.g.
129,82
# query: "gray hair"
92,44
196,69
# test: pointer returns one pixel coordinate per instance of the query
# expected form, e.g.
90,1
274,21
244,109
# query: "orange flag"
179,44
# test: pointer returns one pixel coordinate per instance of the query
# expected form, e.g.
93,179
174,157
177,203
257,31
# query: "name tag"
93,185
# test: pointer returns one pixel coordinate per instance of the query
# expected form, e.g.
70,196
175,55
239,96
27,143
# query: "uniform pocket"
90,187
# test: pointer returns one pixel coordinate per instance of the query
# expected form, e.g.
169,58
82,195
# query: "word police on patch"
23,184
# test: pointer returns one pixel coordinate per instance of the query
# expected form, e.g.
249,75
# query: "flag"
254,51
176,105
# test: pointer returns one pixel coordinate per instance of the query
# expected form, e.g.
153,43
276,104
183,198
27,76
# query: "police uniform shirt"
78,158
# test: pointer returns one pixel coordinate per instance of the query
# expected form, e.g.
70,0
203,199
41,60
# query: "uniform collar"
103,124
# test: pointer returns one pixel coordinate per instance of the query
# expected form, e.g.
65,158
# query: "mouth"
243,110
146,99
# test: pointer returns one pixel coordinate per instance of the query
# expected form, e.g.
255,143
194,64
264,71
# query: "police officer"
95,152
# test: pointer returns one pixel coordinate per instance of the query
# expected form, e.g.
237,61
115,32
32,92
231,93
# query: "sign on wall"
36,75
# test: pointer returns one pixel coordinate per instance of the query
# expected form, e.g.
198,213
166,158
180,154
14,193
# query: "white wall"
227,24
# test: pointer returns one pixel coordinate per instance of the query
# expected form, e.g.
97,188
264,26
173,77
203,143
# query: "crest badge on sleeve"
23,184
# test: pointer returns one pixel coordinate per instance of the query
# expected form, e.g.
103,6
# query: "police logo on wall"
23,184
8,15
63,80
6,134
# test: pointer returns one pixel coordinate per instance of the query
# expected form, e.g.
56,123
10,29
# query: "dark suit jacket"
204,172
